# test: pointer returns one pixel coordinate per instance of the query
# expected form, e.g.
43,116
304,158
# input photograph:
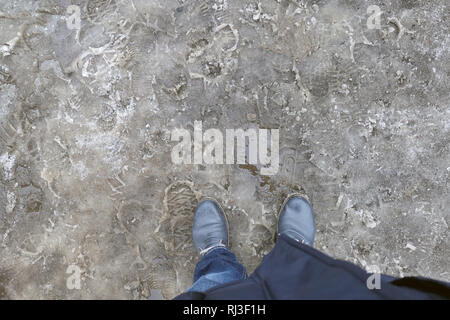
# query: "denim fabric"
219,266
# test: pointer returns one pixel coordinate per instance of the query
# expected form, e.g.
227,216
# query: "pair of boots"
210,228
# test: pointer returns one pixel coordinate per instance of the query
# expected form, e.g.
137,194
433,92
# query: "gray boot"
210,229
297,220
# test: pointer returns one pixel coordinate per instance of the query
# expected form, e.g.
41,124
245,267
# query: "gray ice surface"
86,178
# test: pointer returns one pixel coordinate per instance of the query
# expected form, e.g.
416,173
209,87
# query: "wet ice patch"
107,144
81,170
367,218
7,163
10,202
7,97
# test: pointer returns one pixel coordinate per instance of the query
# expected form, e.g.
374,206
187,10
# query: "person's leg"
218,264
